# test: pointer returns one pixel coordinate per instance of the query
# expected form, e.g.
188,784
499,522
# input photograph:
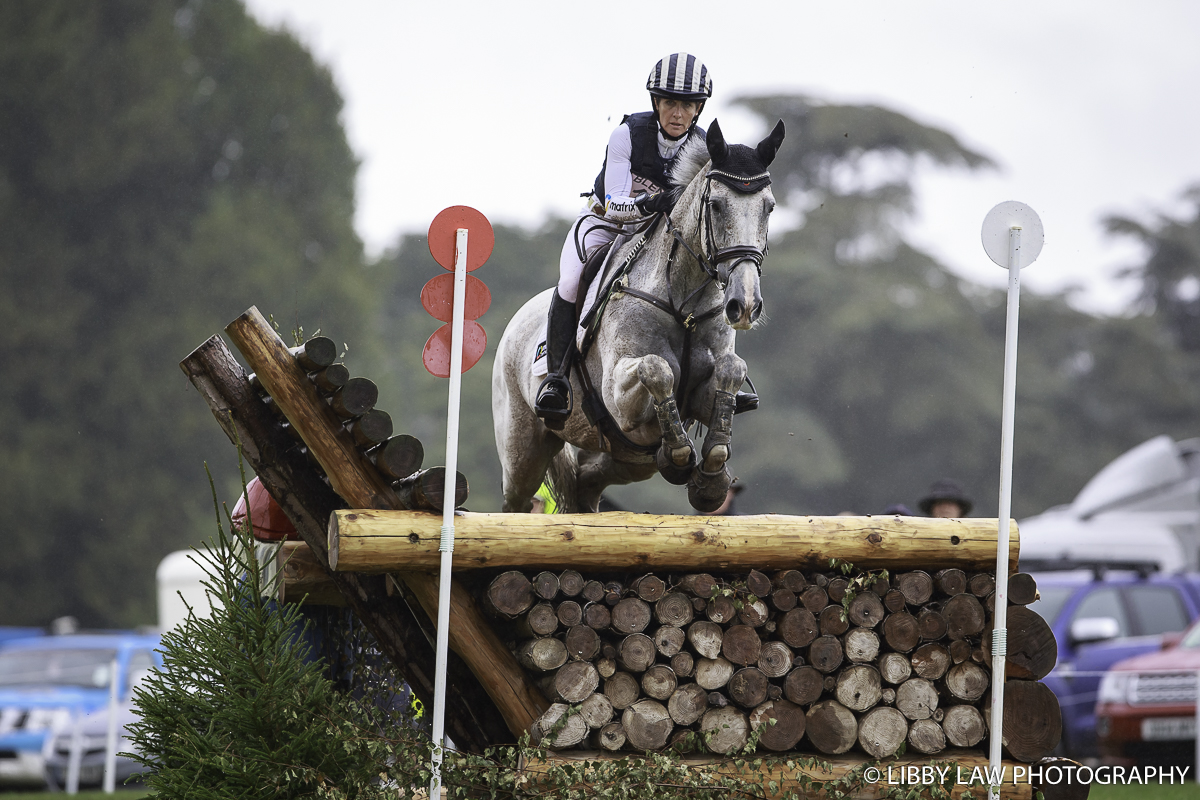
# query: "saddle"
592,267
598,265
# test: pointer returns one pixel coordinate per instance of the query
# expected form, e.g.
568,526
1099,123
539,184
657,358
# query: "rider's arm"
618,177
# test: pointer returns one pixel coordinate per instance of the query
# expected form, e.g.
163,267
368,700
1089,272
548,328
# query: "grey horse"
662,353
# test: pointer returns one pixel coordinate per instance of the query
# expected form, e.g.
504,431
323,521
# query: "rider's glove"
653,203
620,209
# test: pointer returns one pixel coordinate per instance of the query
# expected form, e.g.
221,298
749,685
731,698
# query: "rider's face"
675,116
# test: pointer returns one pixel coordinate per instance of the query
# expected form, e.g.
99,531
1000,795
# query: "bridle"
718,264
727,259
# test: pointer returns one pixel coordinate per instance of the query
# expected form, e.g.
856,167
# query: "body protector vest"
648,167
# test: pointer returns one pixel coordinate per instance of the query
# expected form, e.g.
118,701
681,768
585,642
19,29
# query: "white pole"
110,744
76,755
1000,631
447,544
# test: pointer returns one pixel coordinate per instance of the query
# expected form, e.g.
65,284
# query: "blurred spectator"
543,501
945,499
898,509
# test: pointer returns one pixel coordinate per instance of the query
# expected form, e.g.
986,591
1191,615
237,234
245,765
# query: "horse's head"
735,205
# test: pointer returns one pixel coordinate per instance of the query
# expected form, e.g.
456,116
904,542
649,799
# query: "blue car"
1101,615
48,683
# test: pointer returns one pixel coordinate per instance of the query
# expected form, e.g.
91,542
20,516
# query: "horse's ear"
769,146
717,149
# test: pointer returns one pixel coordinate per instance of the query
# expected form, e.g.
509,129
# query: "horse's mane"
692,158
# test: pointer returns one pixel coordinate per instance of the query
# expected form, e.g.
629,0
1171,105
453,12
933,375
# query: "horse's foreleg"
676,456
728,376
710,482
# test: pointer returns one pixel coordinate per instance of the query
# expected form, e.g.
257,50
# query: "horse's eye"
770,205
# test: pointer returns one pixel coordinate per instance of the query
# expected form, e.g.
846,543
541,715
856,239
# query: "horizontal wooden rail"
367,540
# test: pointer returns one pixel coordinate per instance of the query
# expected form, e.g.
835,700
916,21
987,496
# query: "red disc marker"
436,355
438,297
443,236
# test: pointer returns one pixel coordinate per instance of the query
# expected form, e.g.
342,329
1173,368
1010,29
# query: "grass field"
122,794
1187,791
1152,792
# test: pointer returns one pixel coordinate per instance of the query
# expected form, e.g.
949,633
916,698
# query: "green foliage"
168,164
240,709
163,166
1170,277
880,370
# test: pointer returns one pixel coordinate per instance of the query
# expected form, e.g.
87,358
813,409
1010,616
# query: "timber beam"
308,501
360,484
367,540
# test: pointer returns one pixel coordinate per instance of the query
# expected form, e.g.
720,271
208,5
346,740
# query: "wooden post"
367,540
307,501
358,482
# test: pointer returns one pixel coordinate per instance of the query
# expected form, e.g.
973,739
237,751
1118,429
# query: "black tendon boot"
553,402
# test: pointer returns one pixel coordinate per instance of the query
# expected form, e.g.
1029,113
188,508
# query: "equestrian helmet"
681,76
945,490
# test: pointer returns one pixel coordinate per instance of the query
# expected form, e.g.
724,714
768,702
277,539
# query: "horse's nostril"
756,311
733,310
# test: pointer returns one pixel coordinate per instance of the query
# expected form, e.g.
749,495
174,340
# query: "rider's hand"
653,203
620,209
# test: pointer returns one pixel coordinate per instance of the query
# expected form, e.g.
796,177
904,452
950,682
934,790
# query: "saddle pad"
539,366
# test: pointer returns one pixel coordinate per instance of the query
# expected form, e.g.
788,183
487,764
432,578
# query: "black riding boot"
553,402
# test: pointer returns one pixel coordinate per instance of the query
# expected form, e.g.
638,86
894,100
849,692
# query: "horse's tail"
562,477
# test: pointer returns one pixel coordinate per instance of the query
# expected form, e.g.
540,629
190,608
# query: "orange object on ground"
270,523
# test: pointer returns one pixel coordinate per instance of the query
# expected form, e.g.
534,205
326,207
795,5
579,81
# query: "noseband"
720,263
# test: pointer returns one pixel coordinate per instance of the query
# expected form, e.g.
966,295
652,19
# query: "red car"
1146,705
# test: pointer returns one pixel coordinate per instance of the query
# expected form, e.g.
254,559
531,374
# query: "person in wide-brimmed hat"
946,499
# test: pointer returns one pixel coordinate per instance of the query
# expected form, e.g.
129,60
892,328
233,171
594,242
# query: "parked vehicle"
91,738
1100,616
1146,709
1134,529
49,682
1144,506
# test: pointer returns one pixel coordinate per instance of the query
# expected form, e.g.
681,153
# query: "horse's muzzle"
743,302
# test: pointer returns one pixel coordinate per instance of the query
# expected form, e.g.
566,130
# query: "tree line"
166,166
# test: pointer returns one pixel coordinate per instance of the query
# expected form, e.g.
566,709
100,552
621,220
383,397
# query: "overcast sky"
1089,107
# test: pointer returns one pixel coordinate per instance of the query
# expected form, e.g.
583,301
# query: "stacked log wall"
809,661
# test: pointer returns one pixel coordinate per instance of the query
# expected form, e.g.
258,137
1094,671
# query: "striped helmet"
681,76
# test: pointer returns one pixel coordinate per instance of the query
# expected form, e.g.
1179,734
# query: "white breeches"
570,268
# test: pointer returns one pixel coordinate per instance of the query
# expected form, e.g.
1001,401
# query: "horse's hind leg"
709,484
523,443
524,466
598,471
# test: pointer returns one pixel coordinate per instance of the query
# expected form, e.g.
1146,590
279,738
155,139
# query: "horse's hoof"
707,491
715,458
674,473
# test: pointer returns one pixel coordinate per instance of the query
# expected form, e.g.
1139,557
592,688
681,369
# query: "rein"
726,260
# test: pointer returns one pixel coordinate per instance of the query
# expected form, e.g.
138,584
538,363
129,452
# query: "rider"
632,182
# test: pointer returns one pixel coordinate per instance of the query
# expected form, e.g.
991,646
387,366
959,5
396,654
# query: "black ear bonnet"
742,168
